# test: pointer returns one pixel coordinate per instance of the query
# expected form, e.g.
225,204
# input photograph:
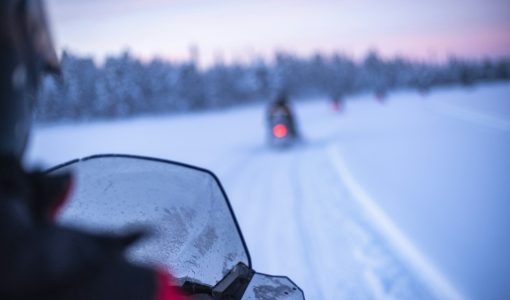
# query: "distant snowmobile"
281,124
381,95
337,104
192,229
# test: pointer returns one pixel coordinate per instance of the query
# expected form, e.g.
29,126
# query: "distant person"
280,107
337,104
381,95
40,259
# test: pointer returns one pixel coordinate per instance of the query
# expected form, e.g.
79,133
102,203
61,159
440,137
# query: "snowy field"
409,199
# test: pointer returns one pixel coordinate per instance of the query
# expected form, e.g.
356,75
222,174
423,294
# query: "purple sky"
240,30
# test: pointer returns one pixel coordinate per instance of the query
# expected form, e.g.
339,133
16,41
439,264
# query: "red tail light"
280,131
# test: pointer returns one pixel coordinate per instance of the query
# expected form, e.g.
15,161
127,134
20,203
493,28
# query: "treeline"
125,86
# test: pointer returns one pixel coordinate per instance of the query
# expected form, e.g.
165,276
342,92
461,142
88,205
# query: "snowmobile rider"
40,259
281,107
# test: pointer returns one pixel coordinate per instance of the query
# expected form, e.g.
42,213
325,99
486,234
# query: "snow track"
295,202
424,269
469,115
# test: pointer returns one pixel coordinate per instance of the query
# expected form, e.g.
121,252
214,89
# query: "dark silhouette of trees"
124,86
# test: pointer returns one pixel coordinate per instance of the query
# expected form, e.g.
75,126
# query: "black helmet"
281,99
26,52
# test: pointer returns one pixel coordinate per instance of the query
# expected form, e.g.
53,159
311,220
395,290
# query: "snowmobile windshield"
193,230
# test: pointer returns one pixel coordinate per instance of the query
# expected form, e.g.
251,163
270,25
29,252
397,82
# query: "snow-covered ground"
404,200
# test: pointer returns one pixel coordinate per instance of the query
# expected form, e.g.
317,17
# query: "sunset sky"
241,30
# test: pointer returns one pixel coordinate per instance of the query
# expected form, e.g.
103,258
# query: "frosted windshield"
193,231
